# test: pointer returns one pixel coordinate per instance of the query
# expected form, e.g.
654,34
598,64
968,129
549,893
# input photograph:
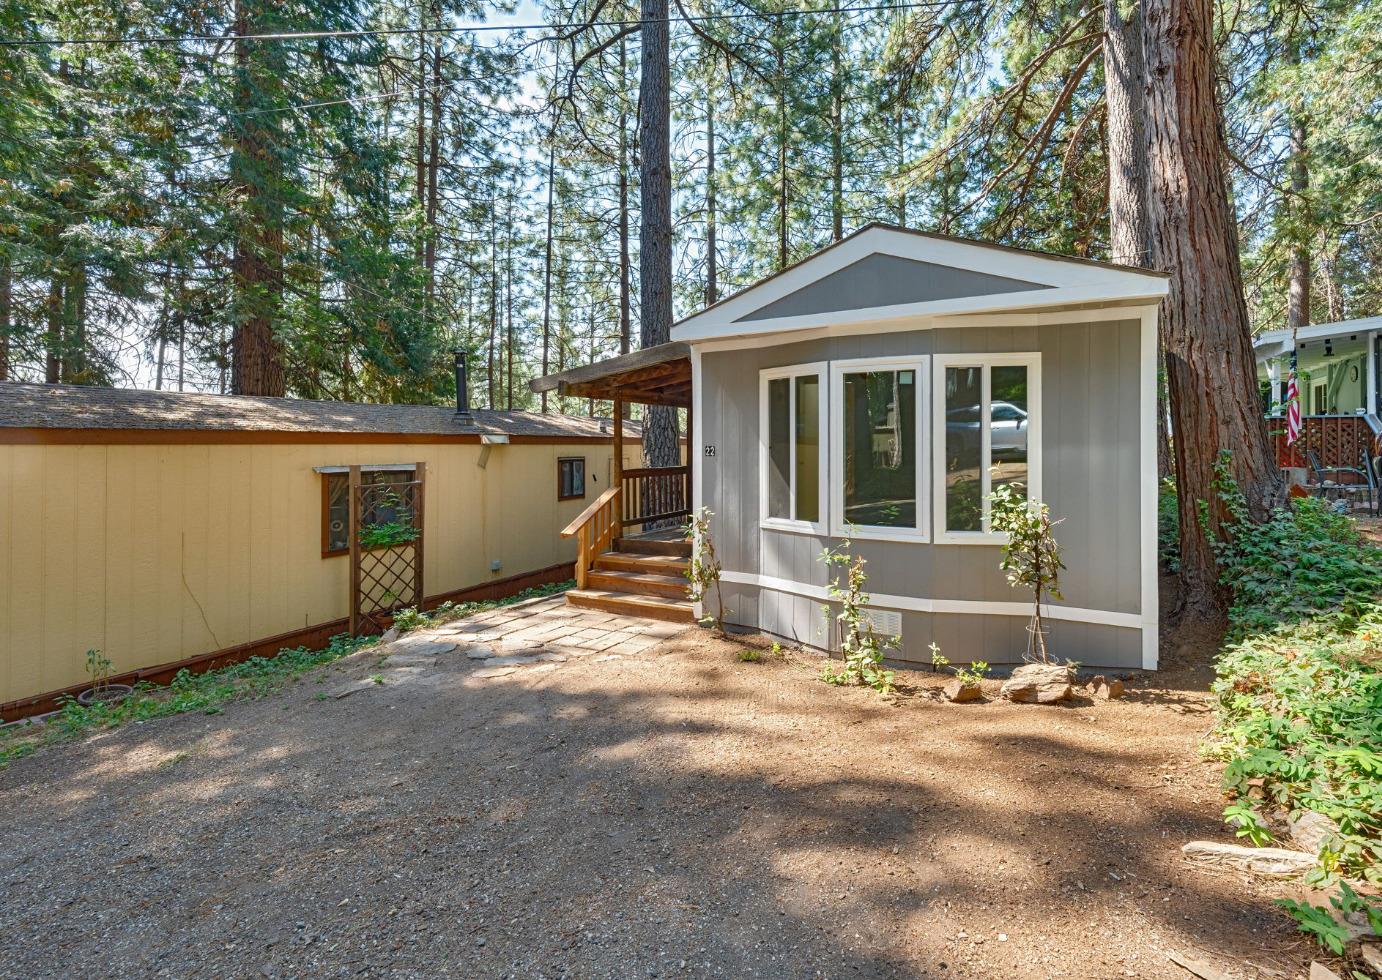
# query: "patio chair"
1372,469
1323,484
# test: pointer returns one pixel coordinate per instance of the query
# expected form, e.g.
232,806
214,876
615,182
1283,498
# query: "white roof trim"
1273,343
1070,282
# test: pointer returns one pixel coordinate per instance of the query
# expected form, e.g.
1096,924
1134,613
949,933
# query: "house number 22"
710,450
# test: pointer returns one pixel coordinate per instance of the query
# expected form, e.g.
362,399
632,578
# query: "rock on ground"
958,691
1038,684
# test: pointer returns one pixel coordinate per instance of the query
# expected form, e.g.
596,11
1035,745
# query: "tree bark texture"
256,358
6,315
660,446
1212,383
1125,80
1298,277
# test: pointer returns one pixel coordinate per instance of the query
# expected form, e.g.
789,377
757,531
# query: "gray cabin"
879,390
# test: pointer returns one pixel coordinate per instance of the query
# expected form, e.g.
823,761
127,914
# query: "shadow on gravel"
666,816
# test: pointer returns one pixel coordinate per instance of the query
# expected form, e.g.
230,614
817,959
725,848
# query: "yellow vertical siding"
158,553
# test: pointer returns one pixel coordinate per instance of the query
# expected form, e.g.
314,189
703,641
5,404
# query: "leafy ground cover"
1299,681
208,692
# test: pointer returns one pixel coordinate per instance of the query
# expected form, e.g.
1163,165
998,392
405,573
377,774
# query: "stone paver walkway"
534,635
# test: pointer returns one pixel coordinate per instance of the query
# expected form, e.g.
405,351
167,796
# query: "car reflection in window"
1008,429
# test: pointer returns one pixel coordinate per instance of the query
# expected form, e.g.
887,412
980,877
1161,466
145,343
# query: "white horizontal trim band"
1073,614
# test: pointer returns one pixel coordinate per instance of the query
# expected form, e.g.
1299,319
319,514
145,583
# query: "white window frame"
792,371
1032,362
919,365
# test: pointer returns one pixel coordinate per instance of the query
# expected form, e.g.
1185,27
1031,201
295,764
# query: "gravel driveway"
671,812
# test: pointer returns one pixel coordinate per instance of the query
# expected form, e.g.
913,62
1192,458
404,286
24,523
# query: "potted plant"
101,691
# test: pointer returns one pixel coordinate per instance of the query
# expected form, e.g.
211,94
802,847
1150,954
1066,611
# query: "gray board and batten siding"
1091,478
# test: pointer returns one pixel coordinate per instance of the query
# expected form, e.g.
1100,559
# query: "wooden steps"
628,604
676,547
639,577
629,561
637,583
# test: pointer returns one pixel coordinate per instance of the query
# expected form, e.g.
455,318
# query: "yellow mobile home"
171,530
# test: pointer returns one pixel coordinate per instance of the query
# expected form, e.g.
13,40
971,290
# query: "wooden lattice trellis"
385,578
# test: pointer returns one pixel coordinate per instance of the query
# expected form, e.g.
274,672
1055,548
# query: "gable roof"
74,407
883,272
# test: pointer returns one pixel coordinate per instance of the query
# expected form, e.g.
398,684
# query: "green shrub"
1168,526
1299,684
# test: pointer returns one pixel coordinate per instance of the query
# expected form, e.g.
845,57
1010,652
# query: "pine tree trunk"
491,362
625,264
547,259
6,314
1212,383
256,358
837,136
1298,284
660,446
429,259
782,179
712,271
53,340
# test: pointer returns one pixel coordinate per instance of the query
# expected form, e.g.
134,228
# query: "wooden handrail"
599,503
595,531
656,471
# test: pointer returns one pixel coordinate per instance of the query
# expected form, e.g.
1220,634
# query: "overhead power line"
453,29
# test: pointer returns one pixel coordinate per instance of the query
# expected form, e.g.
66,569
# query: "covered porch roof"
658,375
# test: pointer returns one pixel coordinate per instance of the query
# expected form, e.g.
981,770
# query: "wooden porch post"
353,530
690,457
617,463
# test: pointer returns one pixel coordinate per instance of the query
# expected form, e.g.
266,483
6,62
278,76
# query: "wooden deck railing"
655,494
595,530
1337,440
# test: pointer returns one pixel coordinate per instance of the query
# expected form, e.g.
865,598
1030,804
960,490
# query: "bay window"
989,405
792,466
877,490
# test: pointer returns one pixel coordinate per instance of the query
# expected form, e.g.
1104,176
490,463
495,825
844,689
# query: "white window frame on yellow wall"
919,365
987,362
791,373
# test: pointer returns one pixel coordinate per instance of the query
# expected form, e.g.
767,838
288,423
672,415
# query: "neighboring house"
1337,364
169,529
1337,370
880,389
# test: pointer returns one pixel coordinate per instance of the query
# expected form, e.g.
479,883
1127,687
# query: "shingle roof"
45,406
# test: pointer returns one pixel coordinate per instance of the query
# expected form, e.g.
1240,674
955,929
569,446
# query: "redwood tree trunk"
655,238
1205,335
1125,95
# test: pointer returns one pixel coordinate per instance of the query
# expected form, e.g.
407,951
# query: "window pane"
337,516
779,447
964,483
808,391
1009,426
880,429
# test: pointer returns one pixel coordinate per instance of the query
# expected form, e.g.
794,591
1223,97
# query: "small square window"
336,507
570,477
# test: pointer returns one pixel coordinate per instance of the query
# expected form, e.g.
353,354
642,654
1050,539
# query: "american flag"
1292,404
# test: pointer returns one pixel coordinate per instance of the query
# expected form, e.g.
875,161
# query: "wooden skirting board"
312,637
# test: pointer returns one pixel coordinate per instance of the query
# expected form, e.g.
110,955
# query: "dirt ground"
672,813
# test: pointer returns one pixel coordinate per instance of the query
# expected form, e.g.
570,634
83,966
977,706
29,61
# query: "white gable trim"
1101,314
1069,283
